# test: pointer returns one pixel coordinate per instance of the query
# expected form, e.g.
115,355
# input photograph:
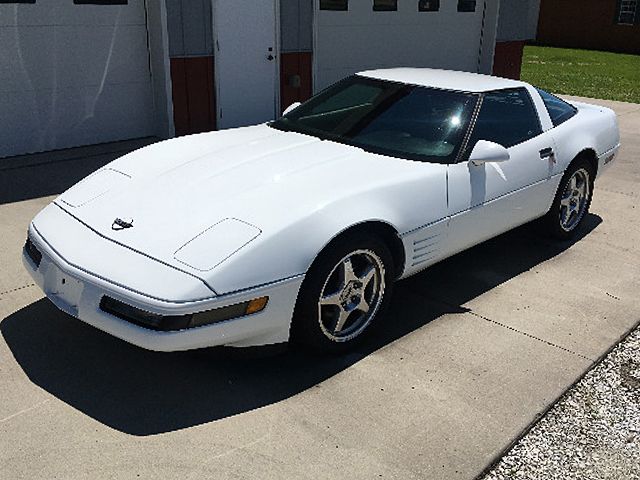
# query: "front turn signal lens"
229,312
256,305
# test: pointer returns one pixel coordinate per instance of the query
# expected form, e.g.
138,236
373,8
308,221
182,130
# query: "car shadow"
145,393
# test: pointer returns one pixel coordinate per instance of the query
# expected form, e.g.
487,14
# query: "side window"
507,117
559,110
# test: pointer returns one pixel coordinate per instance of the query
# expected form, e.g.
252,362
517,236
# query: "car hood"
234,185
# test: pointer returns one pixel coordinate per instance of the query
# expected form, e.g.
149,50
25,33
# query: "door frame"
217,66
160,67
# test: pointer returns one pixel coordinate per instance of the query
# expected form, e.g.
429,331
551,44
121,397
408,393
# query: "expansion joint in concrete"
551,344
17,288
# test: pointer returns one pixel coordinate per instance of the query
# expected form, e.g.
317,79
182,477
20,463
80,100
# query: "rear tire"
572,201
344,293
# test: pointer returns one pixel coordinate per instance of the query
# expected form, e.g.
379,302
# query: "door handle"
546,152
270,57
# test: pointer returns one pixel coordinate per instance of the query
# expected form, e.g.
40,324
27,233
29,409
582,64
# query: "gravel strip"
593,432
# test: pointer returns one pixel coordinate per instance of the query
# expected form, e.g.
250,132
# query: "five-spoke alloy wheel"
351,295
346,289
572,200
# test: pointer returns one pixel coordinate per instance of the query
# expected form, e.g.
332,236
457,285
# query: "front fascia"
86,251
269,326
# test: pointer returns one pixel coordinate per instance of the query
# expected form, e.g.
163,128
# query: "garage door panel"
47,119
73,75
362,13
403,50
37,58
125,108
131,14
361,39
64,12
40,13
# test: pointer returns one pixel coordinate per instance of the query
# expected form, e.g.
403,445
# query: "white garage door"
361,38
72,74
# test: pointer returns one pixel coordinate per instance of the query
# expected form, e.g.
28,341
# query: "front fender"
288,249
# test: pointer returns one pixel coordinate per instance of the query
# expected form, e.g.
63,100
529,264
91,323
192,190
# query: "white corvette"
297,229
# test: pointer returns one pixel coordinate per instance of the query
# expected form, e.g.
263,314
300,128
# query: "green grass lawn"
586,73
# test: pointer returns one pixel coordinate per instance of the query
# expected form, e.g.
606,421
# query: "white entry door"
246,61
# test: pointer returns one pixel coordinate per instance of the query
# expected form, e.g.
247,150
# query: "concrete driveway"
476,348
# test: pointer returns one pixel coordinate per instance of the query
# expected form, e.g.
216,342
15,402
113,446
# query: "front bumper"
79,293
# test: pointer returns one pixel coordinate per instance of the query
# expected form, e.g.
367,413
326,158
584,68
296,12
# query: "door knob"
270,57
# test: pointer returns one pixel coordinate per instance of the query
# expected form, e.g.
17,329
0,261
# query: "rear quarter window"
559,110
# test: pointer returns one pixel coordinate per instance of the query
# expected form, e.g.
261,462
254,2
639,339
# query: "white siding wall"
518,20
296,25
190,25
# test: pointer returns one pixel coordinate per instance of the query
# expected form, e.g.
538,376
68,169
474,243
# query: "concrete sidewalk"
476,348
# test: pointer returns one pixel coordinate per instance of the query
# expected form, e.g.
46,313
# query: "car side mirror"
291,107
485,151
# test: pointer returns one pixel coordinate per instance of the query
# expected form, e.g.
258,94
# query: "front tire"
572,201
345,291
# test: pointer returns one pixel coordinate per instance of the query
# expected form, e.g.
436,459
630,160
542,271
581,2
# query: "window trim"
379,8
100,2
619,11
423,10
465,151
463,6
344,8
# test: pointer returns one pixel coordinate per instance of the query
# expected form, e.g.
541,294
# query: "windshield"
389,118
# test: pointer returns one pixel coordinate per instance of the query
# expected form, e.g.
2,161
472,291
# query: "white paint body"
228,216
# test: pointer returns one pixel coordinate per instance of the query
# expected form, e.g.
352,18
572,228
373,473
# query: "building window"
385,5
428,5
627,12
100,2
466,5
341,5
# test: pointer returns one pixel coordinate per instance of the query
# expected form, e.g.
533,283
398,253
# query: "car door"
488,199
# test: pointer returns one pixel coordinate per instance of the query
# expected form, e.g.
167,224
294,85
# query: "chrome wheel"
351,295
574,200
